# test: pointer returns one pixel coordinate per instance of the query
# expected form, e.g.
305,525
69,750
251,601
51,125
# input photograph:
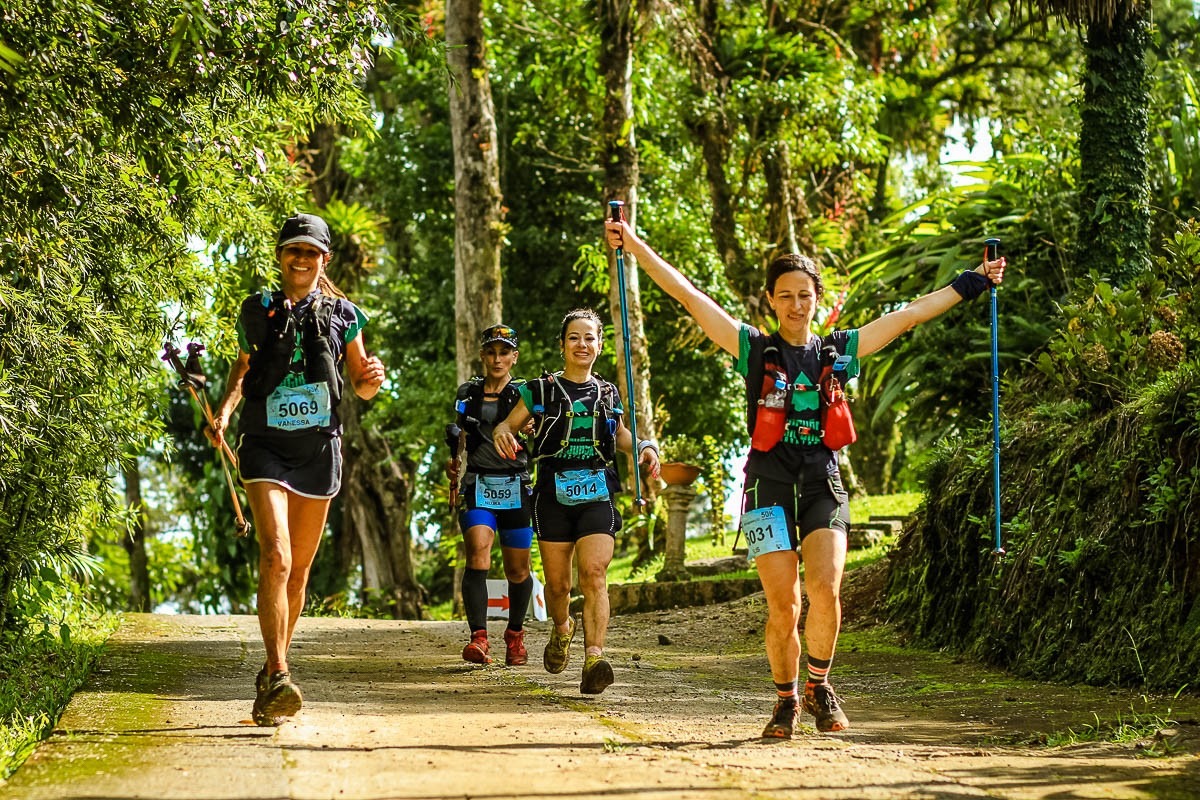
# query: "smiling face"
581,343
794,302
498,360
300,265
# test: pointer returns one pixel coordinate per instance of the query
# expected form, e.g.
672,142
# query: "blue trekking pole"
617,210
990,248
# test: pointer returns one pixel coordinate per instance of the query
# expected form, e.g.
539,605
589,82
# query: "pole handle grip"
991,246
616,210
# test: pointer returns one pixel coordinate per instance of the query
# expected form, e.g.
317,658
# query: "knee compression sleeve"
519,538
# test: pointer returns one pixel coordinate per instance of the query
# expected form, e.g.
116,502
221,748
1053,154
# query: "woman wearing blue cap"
292,344
495,498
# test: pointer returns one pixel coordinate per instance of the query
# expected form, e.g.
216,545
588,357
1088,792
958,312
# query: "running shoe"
824,705
476,650
597,675
281,698
514,648
783,720
558,649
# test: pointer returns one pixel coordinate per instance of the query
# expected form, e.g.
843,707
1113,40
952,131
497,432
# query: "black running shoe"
824,705
783,720
280,699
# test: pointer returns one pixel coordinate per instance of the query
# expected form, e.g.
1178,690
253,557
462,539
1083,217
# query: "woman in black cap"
495,497
292,343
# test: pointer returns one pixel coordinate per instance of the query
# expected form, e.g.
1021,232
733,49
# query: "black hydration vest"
271,328
556,417
471,394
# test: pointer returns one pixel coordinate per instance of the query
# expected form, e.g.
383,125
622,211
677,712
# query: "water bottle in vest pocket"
771,419
837,425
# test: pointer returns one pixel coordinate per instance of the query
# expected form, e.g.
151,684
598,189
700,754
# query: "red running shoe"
476,650
825,706
514,648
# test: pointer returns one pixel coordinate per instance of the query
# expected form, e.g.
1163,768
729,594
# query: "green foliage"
42,664
1117,341
171,122
1100,497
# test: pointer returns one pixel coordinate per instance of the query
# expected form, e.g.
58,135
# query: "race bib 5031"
766,531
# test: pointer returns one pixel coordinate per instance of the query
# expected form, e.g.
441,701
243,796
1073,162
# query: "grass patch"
1149,730
40,668
900,504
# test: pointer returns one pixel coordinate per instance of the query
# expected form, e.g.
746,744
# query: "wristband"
644,443
970,284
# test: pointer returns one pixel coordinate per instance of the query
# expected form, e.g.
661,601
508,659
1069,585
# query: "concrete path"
391,712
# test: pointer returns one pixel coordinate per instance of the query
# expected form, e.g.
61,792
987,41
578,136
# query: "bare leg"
269,503
595,554
824,553
556,561
306,521
779,573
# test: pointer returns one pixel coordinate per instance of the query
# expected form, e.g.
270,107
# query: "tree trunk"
478,224
135,542
377,501
618,20
1114,228
713,132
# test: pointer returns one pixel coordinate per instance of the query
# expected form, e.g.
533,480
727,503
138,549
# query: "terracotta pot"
676,473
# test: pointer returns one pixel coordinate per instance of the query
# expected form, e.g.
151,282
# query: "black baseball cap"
498,333
308,228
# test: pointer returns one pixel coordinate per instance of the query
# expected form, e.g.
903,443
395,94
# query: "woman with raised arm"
794,506
292,345
578,427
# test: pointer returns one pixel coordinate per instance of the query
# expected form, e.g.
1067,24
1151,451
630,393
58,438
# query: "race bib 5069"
292,408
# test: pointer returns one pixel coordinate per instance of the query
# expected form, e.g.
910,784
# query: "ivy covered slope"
1100,499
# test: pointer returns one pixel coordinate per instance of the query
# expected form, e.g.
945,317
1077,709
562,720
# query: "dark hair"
794,262
579,313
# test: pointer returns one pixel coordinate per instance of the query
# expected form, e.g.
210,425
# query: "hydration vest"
469,404
273,331
766,365
554,414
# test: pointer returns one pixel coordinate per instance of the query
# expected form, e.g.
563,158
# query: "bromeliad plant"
1117,340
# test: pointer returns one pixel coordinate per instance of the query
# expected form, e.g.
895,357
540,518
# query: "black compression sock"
518,597
475,597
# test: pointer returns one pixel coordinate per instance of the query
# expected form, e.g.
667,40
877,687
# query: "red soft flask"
771,419
837,425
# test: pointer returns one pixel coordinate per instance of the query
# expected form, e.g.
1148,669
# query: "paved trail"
390,712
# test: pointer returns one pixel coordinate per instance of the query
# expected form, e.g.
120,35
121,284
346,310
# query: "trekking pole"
192,378
453,432
617,209
990,248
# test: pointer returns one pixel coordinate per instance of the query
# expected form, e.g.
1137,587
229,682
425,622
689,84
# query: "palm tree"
1114,229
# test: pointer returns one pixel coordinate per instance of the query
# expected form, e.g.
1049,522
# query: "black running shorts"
555,522
816,500
309,465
